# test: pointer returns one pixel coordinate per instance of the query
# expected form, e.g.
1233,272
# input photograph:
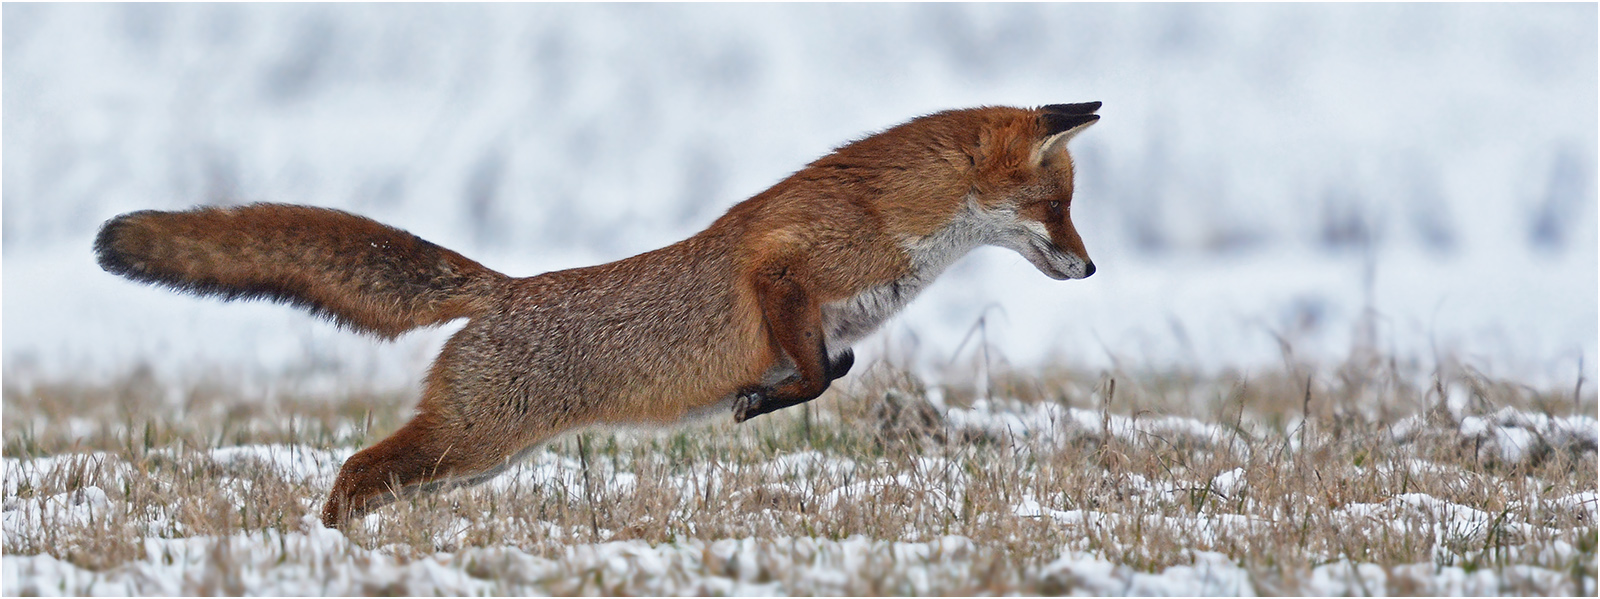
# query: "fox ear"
1060,127
1079,108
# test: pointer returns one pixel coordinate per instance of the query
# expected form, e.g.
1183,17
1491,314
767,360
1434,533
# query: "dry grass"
1323,476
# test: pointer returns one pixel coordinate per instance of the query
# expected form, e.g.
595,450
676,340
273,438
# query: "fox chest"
849,320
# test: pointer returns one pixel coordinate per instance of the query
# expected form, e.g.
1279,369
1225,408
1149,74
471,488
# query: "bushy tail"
355,271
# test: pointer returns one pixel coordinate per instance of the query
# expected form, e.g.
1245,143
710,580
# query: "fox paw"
748,405
841,366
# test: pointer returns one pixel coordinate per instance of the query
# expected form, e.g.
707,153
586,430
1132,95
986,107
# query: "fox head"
1021,188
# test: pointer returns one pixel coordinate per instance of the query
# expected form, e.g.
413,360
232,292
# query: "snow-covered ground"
729,567
317,561
1261,172
723,568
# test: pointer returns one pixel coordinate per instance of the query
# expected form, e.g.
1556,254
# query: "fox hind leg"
375,475
424,455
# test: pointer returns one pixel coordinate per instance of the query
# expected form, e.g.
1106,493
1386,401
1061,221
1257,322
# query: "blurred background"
1267,181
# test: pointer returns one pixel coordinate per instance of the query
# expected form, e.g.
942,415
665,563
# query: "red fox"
754,314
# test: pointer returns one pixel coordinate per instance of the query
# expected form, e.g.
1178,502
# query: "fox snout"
1081,272
1053,247
1060,264
1077,262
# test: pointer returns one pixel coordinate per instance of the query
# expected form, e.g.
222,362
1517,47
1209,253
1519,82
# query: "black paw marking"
841,366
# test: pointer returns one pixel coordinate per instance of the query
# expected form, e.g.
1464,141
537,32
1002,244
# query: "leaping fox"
754,314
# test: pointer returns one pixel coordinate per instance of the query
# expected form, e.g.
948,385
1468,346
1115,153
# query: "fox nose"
1088,270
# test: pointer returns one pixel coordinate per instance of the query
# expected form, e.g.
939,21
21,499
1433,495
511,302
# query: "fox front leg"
795,321
757,400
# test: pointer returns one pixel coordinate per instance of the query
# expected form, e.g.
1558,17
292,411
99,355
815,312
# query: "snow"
62,509
1345,579
1585,501
1310,177
1002,419
1202,528
1452,581
1514,436
320,561
1212,574
324,562
1449,524
726,567
292,462
1508,435
31,473
1228,483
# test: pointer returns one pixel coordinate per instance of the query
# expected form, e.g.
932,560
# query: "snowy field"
1395,205
921,497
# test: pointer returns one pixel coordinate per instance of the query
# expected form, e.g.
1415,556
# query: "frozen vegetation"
923,496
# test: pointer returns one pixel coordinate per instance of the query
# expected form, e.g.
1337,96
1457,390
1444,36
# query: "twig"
1577,389
1305,413
1105,410
588,492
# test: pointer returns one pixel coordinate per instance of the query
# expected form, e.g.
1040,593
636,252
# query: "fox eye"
1055,208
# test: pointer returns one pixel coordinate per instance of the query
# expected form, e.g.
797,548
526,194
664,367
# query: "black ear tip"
1079,108
1055,122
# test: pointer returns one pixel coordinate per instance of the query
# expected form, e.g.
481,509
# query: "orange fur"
755,313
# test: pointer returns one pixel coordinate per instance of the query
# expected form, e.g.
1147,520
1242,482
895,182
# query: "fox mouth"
1045,258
